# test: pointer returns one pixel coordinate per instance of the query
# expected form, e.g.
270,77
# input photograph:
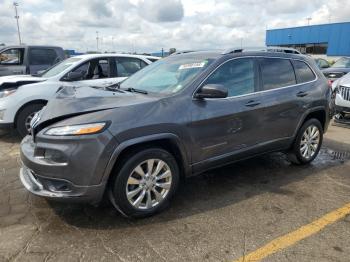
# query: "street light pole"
97,41
308,20
113,44
17,17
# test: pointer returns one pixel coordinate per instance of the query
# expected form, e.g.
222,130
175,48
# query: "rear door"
221,127
41,59
281,108
12,62
127,66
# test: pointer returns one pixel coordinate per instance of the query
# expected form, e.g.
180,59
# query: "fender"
174,138
306,113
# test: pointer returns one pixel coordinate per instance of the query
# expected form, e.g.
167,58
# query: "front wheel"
307,143
145,183
25,116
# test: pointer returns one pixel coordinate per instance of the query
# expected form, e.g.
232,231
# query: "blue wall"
337,36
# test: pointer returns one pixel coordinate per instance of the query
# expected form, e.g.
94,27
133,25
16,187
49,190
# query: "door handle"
252,103
302,94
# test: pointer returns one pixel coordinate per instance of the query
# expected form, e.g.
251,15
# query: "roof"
308,26
87,56
24,46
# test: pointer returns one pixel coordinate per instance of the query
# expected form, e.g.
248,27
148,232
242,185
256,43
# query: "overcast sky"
149,25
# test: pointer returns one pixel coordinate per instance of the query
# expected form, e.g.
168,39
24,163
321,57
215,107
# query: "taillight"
330,82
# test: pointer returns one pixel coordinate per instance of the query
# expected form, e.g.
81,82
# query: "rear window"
126,66
276,73
42,56
303,72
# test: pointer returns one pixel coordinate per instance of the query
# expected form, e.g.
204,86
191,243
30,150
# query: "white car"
341,89
21,96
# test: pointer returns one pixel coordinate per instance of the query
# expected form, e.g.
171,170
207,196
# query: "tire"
24,116
133,176
302,155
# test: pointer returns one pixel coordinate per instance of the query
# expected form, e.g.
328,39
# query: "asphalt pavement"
223,215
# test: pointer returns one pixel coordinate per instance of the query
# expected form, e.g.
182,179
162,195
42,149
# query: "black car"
338,69
178,117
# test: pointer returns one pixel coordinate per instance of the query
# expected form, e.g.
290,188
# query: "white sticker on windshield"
192,65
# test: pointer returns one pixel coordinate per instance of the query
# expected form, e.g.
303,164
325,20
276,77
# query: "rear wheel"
25,116
307,143
145,183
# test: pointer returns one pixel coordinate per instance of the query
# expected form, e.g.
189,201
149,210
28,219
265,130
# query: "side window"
83,70
323,64
126,66
13,56
303,72
276,73
42,56
237,75
93,69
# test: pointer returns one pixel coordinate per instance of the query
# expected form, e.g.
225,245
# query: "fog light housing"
57,185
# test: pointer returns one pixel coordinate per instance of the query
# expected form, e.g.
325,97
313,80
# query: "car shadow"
212,190
10,136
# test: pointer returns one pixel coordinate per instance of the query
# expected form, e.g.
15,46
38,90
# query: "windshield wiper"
114,86
135,90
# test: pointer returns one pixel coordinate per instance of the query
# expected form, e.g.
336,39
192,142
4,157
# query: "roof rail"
277,49
182,52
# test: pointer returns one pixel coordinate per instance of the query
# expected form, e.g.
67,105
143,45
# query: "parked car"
322,63
340,68
341,89
177,117
22,96
23,59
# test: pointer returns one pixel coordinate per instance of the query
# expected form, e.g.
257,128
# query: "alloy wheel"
28,121
149,184
310,142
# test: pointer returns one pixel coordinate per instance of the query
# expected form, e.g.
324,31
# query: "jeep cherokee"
180,116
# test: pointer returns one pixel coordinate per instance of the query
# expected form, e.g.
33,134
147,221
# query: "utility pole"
308,20
97,41
17,17
113,44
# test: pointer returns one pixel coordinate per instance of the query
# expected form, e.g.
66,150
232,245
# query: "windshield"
167,76
60,67
342,62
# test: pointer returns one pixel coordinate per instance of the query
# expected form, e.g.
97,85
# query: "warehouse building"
327,39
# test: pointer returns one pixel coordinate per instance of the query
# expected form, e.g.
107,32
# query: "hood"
15,81
71,101
335,72
344,81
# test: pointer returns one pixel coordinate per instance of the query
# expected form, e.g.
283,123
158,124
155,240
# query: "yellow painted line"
297,235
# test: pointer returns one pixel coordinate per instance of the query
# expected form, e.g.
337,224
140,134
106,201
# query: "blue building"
327,39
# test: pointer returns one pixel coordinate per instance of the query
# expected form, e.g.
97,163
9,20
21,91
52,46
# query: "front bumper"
67,168
47,187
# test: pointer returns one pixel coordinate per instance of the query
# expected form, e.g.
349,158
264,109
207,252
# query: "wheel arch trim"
144,139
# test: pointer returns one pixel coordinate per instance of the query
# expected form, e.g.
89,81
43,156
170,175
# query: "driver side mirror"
212,91
324,66
73,76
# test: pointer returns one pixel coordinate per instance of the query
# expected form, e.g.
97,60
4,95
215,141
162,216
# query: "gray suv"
178,117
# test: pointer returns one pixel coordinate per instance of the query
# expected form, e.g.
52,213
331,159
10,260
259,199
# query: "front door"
12,62
221,127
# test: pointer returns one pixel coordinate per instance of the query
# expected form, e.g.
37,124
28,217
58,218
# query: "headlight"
7,92
74,130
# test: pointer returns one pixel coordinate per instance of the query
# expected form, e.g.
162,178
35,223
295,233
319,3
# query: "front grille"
345,92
